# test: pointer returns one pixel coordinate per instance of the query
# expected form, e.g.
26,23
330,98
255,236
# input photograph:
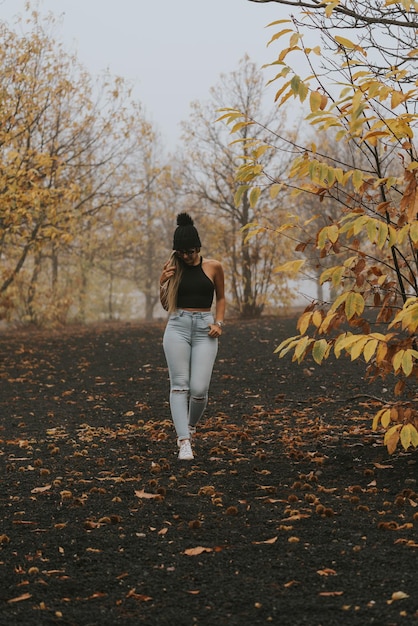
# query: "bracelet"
220,324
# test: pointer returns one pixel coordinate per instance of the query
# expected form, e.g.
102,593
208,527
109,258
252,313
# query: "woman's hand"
168,271
215,331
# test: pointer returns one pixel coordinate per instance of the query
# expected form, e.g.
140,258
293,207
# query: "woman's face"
189,256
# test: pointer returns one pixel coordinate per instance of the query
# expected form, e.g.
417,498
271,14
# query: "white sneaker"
192,432
185,452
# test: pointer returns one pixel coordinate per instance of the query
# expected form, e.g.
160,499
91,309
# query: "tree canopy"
354,92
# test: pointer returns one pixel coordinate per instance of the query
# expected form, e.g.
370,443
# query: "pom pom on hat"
185,235
184,219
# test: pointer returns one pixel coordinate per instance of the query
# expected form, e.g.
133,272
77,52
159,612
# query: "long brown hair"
173,285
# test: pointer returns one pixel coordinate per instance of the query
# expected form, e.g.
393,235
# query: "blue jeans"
190,355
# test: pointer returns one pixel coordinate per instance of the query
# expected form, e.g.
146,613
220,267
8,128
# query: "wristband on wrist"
220,324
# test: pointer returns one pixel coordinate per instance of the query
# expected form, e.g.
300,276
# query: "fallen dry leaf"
326,594
141,493
399,595
272,540
291,583
24,596
41,489
327,571
196,551
138,596
295,518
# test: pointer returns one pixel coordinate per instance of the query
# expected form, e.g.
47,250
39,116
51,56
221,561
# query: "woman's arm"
220,293
219,282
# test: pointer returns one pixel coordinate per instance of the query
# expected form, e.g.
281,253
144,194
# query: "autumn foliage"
77,158
363,164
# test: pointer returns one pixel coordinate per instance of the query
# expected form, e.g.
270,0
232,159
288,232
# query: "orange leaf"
272,540
196,551
399,595
291,583
141,493
24,596
138,596
326,594
41,489
327,571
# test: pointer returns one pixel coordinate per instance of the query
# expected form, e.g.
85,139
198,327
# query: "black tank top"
195,289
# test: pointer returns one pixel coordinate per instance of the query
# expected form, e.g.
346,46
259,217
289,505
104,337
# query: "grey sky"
173,51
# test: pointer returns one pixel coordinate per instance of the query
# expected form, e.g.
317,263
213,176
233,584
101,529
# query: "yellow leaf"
315,100
407,363
357,348
280,33
385,418
354,304
338,301
333,232
319,350
304,321
370,349
414,436
301,348
380,415
392,437
413,232
291,267
397,97
406,436
344,342
338,276
317,318
254,196
397,360
294,38
382,234
381,352
286,346
357,178
346,43
274,190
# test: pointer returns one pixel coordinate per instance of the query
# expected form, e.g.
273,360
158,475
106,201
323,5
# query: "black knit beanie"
185,235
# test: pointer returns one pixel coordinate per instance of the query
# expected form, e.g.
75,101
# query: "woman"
188,284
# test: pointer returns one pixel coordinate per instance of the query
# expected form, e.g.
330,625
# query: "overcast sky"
173,51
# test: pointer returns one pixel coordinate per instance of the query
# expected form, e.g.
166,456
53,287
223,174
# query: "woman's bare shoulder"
212,263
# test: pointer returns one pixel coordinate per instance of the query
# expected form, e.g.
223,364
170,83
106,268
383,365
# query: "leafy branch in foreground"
370,238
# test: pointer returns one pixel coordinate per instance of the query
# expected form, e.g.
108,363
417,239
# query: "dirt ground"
292,512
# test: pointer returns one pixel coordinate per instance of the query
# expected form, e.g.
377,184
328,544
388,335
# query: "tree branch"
366,18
